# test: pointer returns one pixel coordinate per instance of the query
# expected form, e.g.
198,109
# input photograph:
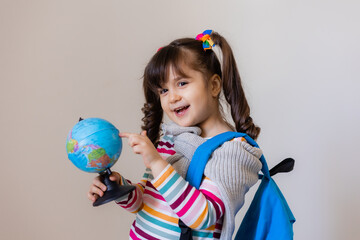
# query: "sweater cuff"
123,182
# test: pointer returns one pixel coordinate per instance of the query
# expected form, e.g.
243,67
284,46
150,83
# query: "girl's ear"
215,85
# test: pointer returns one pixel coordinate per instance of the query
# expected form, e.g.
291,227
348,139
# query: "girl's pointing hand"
142,145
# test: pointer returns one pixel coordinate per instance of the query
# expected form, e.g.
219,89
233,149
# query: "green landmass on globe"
71,146
98,158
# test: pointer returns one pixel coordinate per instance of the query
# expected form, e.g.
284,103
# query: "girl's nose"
174,97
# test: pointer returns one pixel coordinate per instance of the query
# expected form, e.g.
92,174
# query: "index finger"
125,134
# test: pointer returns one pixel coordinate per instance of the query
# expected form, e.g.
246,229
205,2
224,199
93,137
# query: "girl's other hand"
98,188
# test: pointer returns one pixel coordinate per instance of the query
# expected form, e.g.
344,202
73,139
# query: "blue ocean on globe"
93,145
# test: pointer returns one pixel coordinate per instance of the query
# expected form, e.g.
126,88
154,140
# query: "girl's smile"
181,111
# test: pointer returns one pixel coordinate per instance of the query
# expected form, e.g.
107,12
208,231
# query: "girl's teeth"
180,109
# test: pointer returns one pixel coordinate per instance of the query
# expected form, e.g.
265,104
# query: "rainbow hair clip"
205,38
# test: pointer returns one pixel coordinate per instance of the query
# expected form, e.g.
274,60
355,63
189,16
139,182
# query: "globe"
93,145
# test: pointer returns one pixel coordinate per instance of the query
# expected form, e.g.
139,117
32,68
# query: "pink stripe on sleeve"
189,203
215,198
166,151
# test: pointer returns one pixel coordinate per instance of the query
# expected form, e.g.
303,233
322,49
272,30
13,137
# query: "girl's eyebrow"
180,77
177,78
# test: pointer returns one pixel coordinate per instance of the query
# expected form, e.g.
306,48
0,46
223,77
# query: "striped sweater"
160,202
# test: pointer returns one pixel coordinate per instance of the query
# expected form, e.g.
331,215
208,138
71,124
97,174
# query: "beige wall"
60,60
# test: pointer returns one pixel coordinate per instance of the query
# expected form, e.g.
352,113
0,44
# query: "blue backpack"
269,216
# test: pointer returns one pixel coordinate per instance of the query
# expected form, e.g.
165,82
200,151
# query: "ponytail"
152,121
233,91
153,113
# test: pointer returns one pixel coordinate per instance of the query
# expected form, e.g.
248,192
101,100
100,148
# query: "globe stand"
113,190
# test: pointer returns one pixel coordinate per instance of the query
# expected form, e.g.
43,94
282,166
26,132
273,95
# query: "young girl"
184,79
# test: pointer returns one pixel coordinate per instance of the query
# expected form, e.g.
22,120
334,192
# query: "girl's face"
191,100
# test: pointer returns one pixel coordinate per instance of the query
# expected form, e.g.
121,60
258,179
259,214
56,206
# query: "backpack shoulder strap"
203,153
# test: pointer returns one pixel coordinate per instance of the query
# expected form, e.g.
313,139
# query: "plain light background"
59,60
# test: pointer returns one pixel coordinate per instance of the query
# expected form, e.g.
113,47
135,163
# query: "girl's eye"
182,84
162,91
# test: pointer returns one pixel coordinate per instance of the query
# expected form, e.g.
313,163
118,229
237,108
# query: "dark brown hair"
191,52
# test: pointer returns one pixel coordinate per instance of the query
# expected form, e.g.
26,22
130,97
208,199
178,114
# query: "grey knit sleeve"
234,168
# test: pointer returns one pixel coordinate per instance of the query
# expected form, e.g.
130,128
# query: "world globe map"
93,145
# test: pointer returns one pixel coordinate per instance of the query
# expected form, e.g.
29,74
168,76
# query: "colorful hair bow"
205,38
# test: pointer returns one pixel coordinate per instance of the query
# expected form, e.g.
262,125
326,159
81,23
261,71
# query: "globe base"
113,192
